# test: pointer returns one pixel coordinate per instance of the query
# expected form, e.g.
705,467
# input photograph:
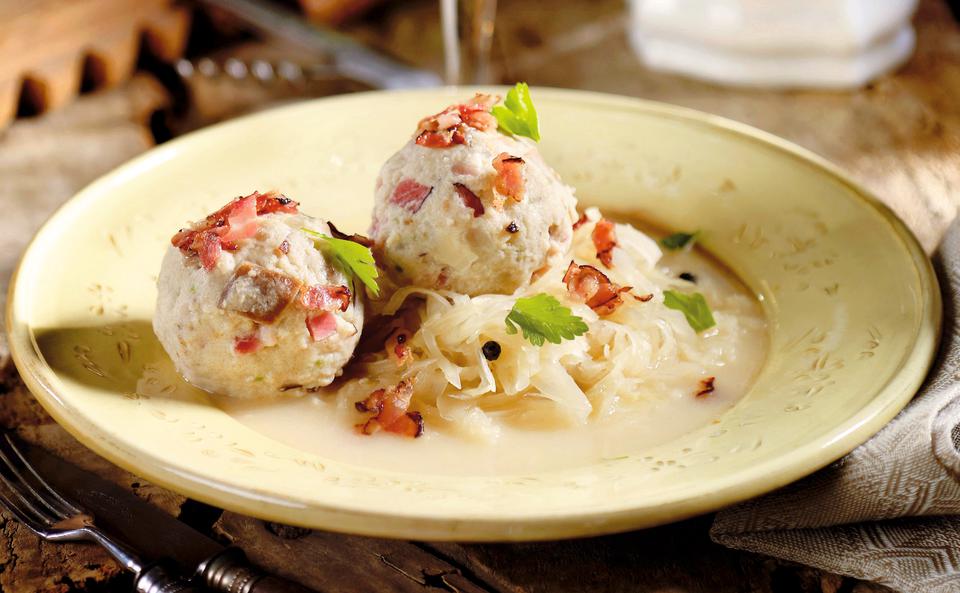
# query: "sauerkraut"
642,352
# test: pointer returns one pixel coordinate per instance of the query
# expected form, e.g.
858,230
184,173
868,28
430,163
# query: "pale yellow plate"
852,302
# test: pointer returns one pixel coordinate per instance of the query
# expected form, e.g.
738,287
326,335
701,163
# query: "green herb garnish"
542,317
517,115
356,258
680,240
693,306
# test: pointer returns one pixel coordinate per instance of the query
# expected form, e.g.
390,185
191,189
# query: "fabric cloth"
888,512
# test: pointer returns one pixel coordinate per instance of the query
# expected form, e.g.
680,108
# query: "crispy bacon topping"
283,248
397,346
246,344
325,298
272,201
258,293
469,199
410,195
449,127
207,246
228,225
509,179
581,221
604,239
594,288
643,298
321,326
705,387
337,233
389,408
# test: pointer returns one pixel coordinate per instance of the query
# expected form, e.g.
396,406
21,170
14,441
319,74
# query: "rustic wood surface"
899,137
51,48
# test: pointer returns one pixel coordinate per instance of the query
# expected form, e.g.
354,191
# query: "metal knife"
156,535
351,58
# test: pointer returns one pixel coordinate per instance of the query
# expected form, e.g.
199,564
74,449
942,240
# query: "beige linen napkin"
888,512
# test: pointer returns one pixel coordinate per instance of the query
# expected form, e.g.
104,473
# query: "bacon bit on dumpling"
706,386
359,239
207,246
258,293
389,408
234,222
241,222
509,179
272,201
594,288
449,127
469,199
581,221
410,195
321,326
398,350
282,249
325,298
604,239
246,344
643,298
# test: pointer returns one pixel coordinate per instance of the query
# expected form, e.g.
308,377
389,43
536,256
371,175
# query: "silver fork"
35,504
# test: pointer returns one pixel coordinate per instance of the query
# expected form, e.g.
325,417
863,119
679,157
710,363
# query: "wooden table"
899,137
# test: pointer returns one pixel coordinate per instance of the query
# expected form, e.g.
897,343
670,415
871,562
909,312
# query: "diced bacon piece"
410,195
509,179
581,221
321,326
183,238
271,202
593,287
207,247
449,127
397,346
325,298
604,239
389,408
246,344
480,120
469,199
476,112
229,224
258,293
241,220
282,249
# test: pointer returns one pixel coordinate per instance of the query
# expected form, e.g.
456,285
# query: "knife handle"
231,572
157,579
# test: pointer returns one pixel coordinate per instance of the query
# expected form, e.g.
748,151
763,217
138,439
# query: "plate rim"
842,439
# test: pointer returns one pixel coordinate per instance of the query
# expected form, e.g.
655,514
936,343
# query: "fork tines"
26,495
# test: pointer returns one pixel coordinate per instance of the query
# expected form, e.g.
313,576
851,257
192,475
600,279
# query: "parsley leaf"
356,258
542,317
517,115
680,240
693,306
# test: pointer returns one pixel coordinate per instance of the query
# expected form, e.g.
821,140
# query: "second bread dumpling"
466,208
249,306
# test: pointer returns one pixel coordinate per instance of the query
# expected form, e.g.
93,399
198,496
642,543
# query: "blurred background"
87,84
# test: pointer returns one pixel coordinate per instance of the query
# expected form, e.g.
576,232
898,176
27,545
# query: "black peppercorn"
491,350
512,227
688,277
